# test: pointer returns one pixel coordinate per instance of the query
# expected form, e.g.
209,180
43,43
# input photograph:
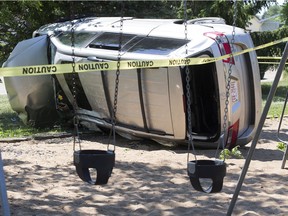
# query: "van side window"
157,45
81,38
110,41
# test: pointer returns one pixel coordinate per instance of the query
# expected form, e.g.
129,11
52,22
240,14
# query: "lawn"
279,97
11,125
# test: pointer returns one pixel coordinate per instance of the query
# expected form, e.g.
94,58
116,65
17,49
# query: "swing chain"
188,89
75,106
117,84
185,26
117,72
189,111
73,65
76,133
228,79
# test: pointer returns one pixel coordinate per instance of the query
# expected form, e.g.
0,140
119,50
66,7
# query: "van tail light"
232,135
223,44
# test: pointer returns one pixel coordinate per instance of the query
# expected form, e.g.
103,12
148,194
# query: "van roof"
158,34
170,28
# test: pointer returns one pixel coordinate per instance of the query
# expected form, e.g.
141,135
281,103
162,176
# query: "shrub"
260,38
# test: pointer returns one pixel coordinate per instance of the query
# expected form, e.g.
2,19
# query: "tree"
20,18
225,9
284,13
272,11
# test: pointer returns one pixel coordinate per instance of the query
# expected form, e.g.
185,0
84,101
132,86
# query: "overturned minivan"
152,101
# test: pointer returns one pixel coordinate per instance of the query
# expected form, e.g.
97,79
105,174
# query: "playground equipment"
285,155
100,160
5,209
196,169
213,170
259,129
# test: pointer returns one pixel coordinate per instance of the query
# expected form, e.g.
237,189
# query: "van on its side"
152,102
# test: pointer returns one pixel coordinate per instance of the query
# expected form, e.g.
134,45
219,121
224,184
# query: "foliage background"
20,18
260,38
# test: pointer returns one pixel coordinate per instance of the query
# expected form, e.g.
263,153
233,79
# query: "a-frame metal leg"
258,130
3,192
285,157
278,133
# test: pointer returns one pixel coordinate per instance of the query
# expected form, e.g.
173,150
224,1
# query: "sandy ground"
148,179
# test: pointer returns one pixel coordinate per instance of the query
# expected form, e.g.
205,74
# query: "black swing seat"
102,161
207,169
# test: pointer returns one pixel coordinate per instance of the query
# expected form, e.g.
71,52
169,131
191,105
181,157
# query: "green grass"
10,124
279,97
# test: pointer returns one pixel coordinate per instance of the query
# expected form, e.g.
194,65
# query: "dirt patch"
148,179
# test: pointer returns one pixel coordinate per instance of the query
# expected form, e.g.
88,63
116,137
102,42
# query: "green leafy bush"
281,146
260,38
234,153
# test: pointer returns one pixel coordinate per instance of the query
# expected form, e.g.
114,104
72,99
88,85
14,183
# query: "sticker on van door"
234,91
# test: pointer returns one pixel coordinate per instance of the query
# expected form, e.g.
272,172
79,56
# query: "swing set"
100,160
197,170
103,161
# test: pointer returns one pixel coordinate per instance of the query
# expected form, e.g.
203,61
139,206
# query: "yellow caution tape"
270,63
269,57
131,64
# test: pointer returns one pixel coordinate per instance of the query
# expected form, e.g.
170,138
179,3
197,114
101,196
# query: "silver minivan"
152,101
